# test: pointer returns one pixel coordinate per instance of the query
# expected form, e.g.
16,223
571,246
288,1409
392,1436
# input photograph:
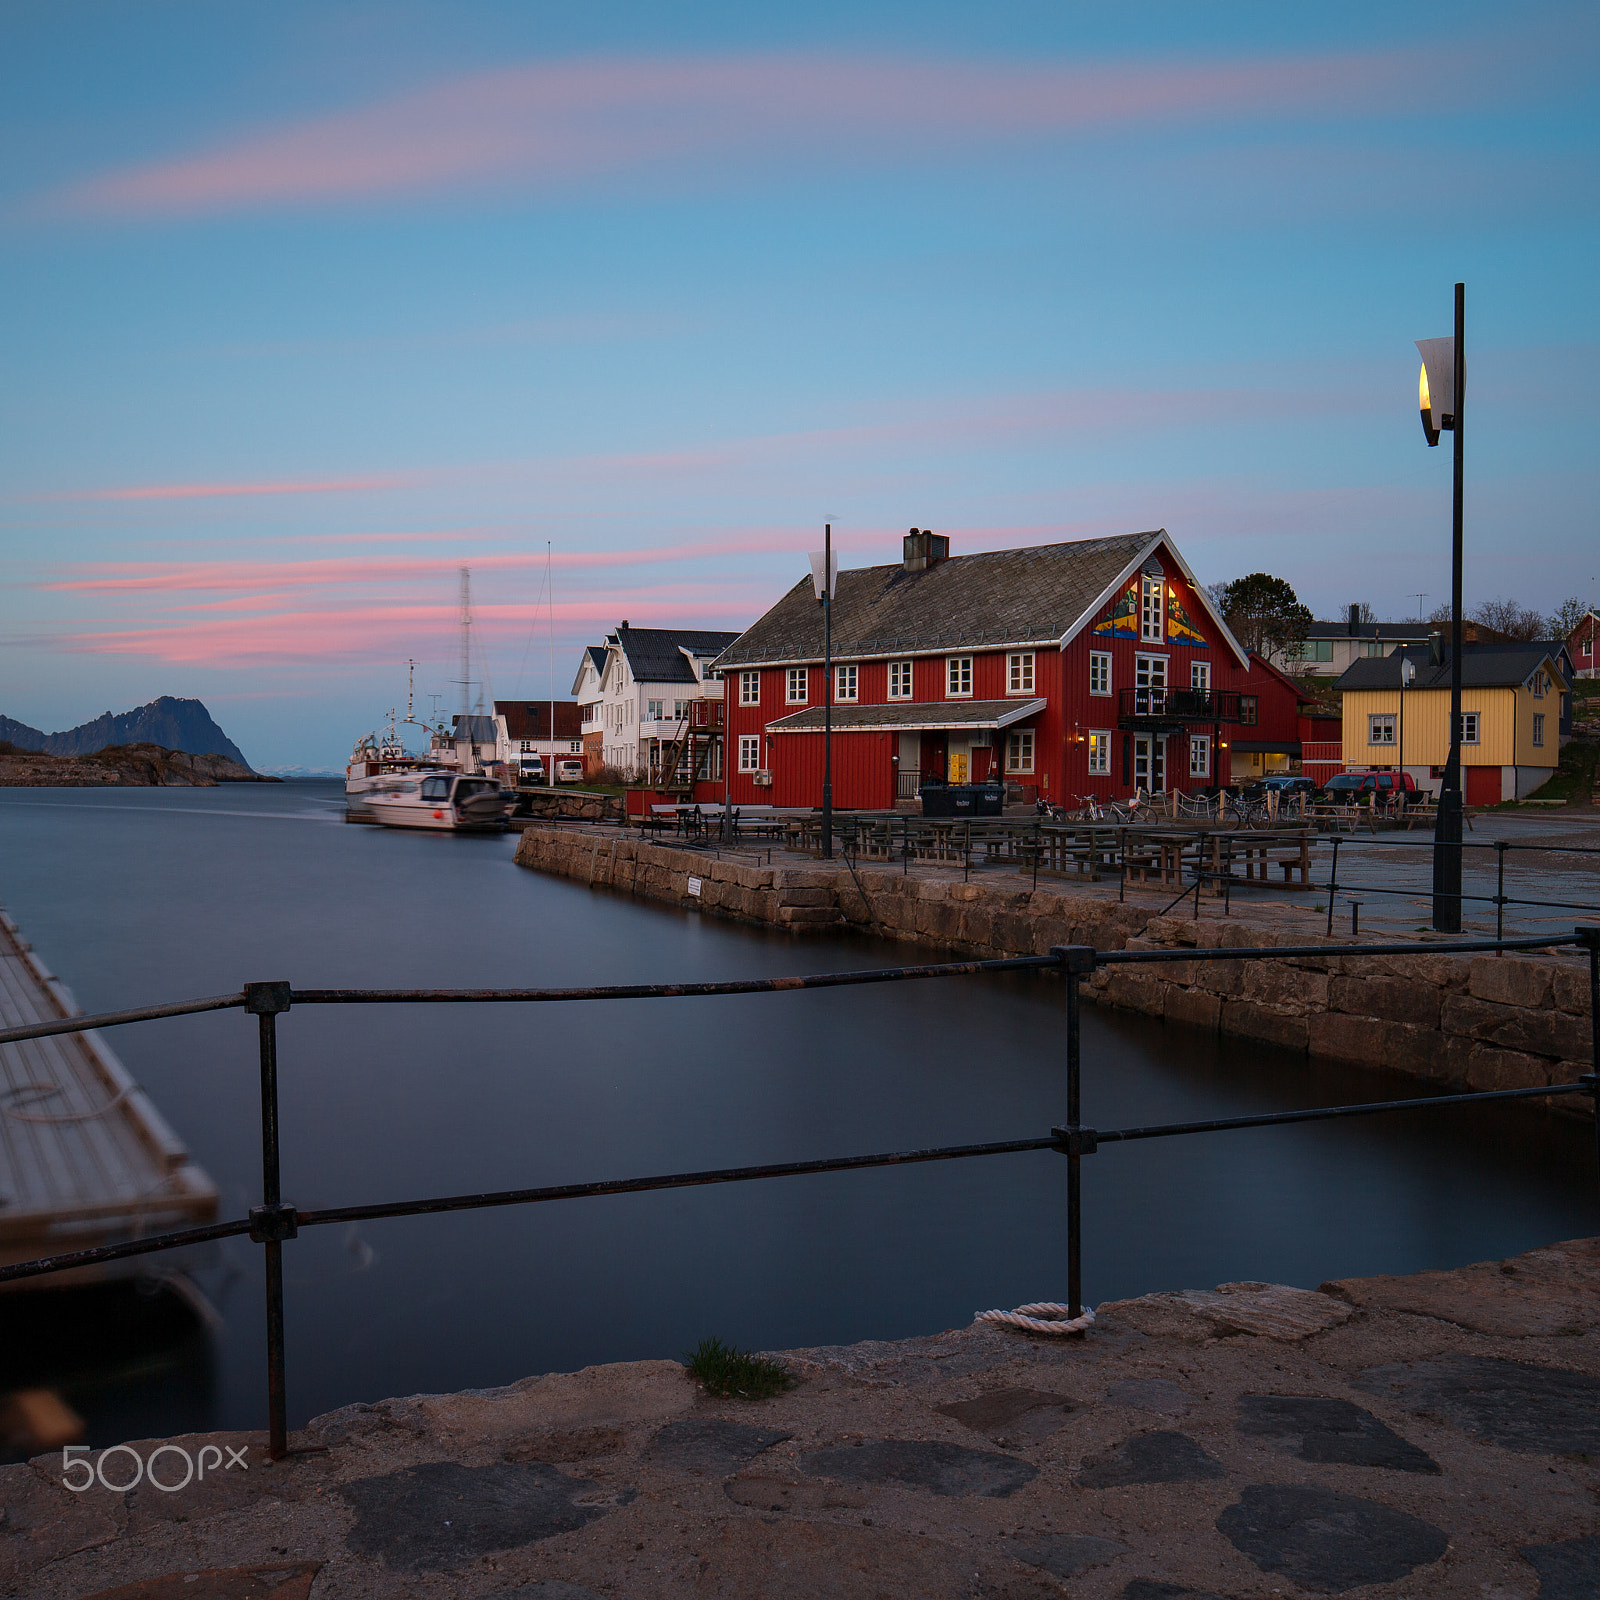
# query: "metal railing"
276,1220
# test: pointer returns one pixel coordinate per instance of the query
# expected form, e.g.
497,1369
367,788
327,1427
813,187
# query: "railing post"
1333,883
272,1221
1077,962
1590,935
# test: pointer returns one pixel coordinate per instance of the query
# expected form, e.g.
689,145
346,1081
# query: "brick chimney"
924,548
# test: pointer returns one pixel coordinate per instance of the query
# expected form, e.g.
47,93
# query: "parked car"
569,772
1284,783
1352,788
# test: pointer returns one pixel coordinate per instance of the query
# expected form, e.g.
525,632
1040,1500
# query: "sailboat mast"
550,770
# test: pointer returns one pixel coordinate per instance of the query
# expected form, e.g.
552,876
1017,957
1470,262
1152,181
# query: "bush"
725,1370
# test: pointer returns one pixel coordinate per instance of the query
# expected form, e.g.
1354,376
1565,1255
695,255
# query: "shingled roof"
995,598
655,655
1483,666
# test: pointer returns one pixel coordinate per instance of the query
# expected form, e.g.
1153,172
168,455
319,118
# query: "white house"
634,692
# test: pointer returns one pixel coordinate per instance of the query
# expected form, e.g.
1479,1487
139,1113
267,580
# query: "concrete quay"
1435,1435
1467,1022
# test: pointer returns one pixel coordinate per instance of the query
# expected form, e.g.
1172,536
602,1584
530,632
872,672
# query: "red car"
1348,788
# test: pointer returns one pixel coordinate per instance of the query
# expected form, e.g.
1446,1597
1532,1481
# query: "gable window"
749,688
1199,755
958,677
749,752
1100,752
1538,685
1247,710
1469,727
1380,729
1538,727
1200,675
799,686
1019,750
899,680
1099,672
845,680
1150,609
1019,672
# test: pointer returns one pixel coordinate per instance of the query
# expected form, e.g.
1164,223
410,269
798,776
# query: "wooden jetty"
85,1158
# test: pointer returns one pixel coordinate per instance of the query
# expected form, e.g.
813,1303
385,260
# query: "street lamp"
825,580
1441,393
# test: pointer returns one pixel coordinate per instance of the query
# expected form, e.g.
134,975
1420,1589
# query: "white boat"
450,802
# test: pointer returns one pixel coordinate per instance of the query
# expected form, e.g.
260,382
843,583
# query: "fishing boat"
451,802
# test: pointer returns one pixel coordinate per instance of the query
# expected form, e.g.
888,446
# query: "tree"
1265,614
1567,616
1508,618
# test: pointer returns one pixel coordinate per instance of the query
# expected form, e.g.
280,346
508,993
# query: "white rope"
1043,1316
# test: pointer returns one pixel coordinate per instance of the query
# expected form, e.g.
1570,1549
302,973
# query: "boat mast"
550,768
466,666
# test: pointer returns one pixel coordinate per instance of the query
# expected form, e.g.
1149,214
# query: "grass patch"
723,1369
1574,776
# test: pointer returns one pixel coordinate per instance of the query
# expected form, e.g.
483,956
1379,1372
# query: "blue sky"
309,305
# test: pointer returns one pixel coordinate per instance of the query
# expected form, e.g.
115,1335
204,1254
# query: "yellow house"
1511,699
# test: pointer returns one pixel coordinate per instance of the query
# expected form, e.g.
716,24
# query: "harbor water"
137,896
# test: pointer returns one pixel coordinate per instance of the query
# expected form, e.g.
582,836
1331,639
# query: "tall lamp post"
1441,393
825,579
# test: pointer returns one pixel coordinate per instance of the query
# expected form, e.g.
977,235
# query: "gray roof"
928,714
992,599
1372,630
481,730
1483,666
655,655
597,655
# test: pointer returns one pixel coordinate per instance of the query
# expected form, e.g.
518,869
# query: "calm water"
136,896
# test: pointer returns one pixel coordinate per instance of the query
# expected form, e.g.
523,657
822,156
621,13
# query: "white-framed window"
749,752
1380,728
1200,675
899,680
1538,727
1199,755
525,746
680,709
1019,672
1469,727
958,677
576,747
845,682
1538,685
1100,752
1099,672
749,688
1019,750
799,686
1150,685
1151,609
653,711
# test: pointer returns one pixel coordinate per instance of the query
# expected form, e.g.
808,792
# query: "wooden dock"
85,1158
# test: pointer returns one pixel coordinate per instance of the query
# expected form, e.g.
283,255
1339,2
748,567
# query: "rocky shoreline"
126,765
1437,1434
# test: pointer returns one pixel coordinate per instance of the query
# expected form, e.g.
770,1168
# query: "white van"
569,772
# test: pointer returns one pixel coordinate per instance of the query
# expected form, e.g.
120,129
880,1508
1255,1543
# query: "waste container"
961,799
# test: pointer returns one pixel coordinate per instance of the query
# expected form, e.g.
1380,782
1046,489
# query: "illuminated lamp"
1436,387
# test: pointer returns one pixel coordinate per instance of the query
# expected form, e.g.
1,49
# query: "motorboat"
449,802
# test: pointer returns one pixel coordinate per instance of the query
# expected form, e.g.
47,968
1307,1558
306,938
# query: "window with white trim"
1199,755
958,677
1469,727
1200,675
576,747
749,752
1100,752
1099,672
1380,728
1538,727
749,688
652,710
680,709
899,680
799,686
1151,609
845,681
1538,685
1019,672
1019,750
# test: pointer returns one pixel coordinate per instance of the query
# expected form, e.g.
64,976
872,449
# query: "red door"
1483,785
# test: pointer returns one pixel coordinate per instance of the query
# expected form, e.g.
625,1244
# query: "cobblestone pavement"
1435,1435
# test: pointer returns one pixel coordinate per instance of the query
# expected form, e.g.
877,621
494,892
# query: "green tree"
1567,616
1265,615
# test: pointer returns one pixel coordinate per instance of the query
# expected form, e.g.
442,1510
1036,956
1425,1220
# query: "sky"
307,306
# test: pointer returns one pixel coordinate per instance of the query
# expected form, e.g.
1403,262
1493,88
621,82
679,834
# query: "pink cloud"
213,491
559,121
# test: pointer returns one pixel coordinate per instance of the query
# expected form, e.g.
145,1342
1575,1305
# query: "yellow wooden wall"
1505,727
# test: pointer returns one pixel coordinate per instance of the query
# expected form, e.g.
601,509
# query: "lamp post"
1408,671
825,578
1441,394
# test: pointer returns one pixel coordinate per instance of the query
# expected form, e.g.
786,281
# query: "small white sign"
694,887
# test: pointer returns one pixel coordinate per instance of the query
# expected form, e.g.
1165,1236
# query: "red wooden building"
1095,667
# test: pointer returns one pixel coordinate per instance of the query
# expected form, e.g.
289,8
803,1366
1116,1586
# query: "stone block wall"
572,805
1469,1022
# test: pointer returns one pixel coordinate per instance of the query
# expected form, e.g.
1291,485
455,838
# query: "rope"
1043,1316
44,1091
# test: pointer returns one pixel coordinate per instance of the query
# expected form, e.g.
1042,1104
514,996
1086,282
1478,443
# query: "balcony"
1161,707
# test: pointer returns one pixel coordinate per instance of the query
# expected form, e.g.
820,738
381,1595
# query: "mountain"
172,724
